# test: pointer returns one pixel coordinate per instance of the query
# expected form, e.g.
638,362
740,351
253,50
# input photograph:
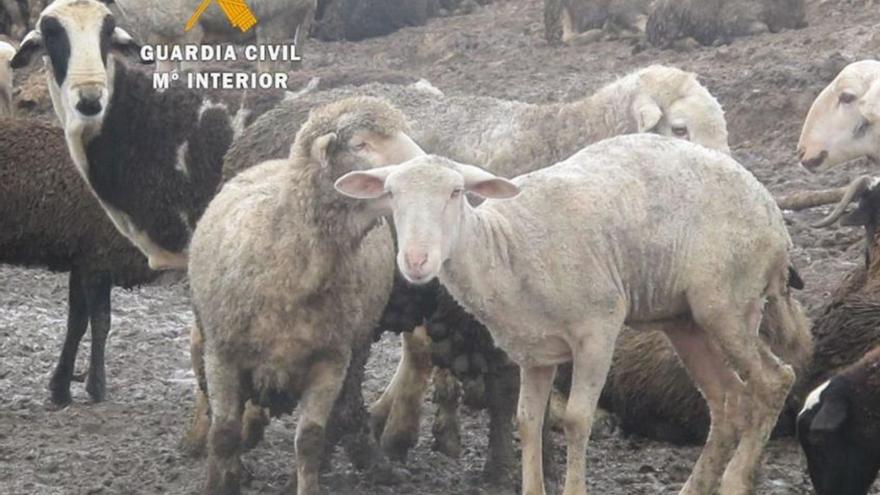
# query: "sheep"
49,219
7,51
840,125
578,21
656,99
718,21
355,20
726,252
837,429
280,21
284,334
152,158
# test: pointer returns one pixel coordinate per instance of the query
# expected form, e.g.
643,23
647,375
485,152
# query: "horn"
855,190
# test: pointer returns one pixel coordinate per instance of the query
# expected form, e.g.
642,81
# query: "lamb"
840,125
718,21
837,429
581,21
655,99
153,159
708,295
286,334
49,219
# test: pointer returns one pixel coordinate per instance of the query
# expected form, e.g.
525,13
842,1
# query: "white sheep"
844,120
643,230
7,51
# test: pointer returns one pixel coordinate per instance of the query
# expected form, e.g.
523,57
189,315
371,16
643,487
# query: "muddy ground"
129,444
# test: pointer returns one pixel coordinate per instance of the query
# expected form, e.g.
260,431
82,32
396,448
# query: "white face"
842,122
426,197
76,38
696,119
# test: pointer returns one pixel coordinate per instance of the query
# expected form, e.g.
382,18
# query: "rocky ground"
129,444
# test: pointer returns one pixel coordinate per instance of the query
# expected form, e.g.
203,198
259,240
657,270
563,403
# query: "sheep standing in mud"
713,21
582,21
288,281
565,265
506,135
844,120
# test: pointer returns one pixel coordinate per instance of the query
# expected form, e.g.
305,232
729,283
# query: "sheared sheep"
714,21
48,218
562,282
152,158
282,334
655,99
578,21
844,121
838,429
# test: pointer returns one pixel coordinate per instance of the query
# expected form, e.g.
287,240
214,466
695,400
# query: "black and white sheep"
839,429
153,158
49,219
288,281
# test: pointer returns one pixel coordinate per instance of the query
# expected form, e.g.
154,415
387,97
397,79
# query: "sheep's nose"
89,103
415,261
815,162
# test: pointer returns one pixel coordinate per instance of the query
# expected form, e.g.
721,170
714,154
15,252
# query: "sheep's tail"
786,326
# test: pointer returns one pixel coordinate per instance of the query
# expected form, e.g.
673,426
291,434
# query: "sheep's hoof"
96,387
59,395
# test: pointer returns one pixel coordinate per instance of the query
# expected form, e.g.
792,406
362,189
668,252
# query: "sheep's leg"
98,290
534,391
325,383
740,474
197,437
398,411
501,384
446,428
735,331
77,323
591,360
224,439
722,390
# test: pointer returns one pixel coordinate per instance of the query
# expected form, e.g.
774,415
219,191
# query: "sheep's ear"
486,185
647,113
830,417
123,44
31,46
364,184
321,149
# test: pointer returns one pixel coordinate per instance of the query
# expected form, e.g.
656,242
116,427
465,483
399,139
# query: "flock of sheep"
501,240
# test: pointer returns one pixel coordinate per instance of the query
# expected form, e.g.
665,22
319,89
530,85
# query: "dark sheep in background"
49,219
719,21
576,21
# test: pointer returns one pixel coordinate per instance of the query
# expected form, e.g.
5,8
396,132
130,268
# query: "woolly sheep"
842,122
713,21
838,431
152,158
726,248
505,134
49,219
280,334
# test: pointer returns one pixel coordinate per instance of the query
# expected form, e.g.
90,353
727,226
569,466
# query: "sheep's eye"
455,193
359,146
680,130
846,98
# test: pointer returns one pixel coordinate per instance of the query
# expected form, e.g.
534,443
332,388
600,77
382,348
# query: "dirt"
129,444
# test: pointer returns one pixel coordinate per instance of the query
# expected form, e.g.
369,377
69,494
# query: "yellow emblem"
237,11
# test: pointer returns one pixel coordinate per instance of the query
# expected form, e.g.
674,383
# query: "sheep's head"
76,38
866,191
672,102
426,196
354,134
844,121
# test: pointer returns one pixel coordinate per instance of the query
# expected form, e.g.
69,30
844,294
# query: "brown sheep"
574,21
288,281
711,21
